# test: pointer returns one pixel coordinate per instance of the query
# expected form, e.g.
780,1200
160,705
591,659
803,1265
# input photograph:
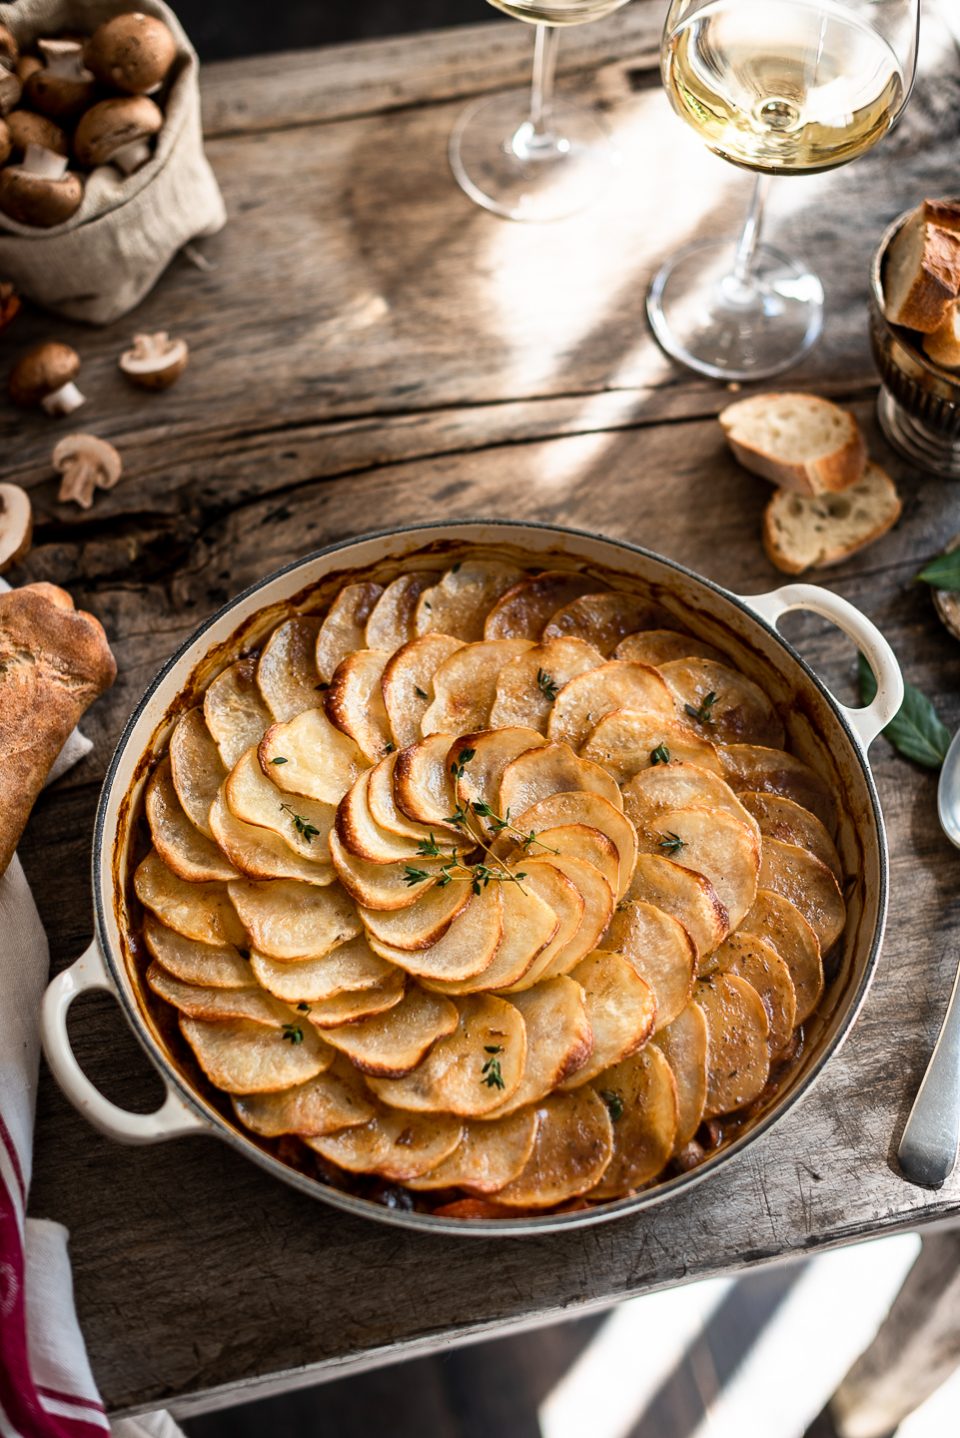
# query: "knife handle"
928,1147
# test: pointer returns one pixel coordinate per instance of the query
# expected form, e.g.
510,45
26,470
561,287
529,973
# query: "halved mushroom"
27,129
41,191
62,88
87,464
155,361
45,376
16,525
132,53
118,132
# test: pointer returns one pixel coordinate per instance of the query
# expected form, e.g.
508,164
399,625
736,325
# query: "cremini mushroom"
28,65
6,142
132,53
45,376
40,191
11,90
9,49
155,361
118,132
9,303
16,524
26,128
87,464
63,87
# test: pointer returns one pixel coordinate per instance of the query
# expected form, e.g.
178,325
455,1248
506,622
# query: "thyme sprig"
491,1075
660,755
304,828
671,843
547,686
703,713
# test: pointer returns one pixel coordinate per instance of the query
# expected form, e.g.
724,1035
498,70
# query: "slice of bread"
797,441
921,277
943,346
809,533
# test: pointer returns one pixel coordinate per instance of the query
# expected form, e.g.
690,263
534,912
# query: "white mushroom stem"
64,400
64,58
130,157
44,163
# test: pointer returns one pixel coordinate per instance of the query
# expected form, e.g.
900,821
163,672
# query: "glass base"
911,438
719,326
505,165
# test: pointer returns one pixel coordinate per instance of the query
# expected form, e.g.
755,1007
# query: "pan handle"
865,723
171,1119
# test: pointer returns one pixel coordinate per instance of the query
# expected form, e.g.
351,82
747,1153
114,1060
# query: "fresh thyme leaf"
428,848
482,809
491,1076
546,685
413,875
944,571
660,755
420,693
459,817
389,747
303,1008
493,1048
455,567
279,760
293,1033
917,730
458,767
443,880
671,843
304,828
703,714
613,1102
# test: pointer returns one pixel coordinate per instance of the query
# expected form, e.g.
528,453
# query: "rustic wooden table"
369,349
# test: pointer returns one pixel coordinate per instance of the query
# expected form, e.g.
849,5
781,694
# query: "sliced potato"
355,702
780,818
579,841
524,609
759,770
391,621
460,602
573,1146
684,1046
688,896
782,926
748,956
350,968
260,854
382,804
216,966
328,1103
183,848
397,1146
621,1008
393,1043
713,843
467,948
490,1154
202,1002
799,876
308,756
234,711
528,685
197,911
601,619
287,669
551,769
362,836
348,1008
660,950
677,786
407,683
465,686
469,1072
382,886
565,903
490,752
241,1057
421,925
659,646
529,926
738,713
423,784
196,767
631,741
738,1056
617,684
559,1039
285,919
598,906
642,1090
579,808
343,631
253,798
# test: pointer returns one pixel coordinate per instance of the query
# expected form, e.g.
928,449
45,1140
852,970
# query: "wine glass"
524,154
780,87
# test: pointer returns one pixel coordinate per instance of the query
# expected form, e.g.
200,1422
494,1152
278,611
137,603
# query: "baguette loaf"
796,441
922,273
943,346
810,533
54,661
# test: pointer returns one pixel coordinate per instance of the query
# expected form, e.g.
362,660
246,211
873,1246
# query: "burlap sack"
105,258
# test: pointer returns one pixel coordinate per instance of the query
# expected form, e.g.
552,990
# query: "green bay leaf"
944,571
916,730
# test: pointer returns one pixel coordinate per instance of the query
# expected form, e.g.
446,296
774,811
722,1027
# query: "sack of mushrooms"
102,172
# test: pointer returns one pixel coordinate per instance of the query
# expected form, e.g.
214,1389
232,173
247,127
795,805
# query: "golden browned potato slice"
618,684
753,768
382,886
260,854
465,686
467,948
348,1008
579,808
344,629
781,818
524,609
397,1146
288,920
253,798
240,1057
737,713
217,966
202,1002
383,805
424,923
552,769
629,741
479,761
578,841
325,1104
738,1055
423,784
745,954
472,1070
361,835
661,951
598,906
407,683
659,646
234,712
713,843
567,905
641,1094
491,1153
601,619
183,848
529,925
688,896
677,786
799,876
528,685
197,769
559,1039
621,1008
392,618
573,1146
287,669
460,603
684,1046
350,968
393,1043
197,911
782,926
308,756
355,702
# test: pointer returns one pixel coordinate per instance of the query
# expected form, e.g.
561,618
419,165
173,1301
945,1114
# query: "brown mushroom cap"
62,88
6,142
16,524
37,199
9,304
132,53
41,372
26,128
28,65
112,125
11,90
9,49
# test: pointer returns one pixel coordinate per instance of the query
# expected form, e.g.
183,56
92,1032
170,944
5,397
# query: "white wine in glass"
524,154
780,87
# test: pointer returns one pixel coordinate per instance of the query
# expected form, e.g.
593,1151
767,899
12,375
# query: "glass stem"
750,234
544,72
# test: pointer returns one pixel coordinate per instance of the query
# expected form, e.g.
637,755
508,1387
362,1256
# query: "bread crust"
783,561
936,283
54,661
826,475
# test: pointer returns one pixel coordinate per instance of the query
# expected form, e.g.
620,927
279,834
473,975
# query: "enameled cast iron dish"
831,737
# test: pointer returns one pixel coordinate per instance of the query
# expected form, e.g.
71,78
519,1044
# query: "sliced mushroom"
155,361
62,88
87,464
132,53
9,303
41,191
118,132
16,525
27,129
45,376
